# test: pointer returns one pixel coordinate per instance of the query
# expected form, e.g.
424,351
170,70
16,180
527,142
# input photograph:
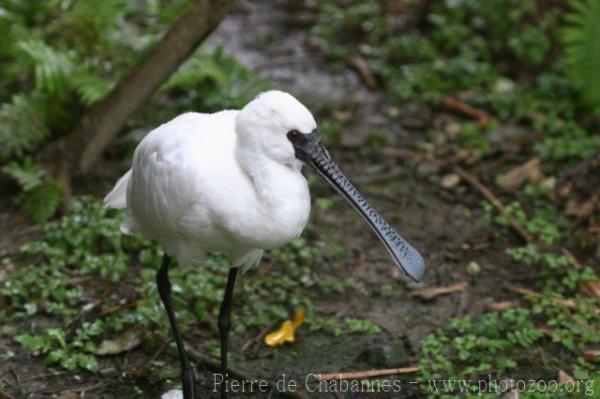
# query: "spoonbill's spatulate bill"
231,182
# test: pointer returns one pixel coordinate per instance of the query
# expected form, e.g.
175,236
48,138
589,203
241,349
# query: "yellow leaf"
285,333
298,318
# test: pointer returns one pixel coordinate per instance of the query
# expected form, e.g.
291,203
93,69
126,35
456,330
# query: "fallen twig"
513,179
456,105
367,374
155,355
117,308
503,305
255,342
495,201
567,303
360,65
432,292
592,355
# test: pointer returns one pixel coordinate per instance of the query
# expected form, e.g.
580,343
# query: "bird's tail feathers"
117,198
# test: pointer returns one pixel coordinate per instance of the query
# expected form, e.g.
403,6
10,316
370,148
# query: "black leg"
224,325
164,290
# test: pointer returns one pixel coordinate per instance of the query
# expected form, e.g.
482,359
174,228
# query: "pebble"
473,268
452,129
450,180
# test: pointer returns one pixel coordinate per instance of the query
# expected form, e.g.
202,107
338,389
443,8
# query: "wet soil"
438,224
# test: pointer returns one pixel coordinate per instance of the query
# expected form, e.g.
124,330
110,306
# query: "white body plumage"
226,182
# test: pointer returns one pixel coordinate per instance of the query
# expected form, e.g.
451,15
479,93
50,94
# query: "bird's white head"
265,122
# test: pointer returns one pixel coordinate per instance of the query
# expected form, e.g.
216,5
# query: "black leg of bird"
164,290
224,325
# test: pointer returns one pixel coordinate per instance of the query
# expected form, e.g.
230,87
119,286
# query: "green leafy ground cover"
528,65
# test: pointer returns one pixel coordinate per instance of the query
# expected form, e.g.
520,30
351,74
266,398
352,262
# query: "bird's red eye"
294,134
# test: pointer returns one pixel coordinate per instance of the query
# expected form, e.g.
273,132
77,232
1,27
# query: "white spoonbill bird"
231,182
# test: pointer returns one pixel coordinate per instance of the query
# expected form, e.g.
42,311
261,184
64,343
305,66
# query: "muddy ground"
439,223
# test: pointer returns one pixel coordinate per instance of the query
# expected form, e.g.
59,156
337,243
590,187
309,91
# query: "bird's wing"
172,171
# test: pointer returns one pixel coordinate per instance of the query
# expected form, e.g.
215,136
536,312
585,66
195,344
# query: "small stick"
368,373
360,65
503,305
256,340
432,292
117,308
487,193
456,105
163,346
567,303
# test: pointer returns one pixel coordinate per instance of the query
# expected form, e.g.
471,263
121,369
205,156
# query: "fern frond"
217,80
101,18
90,87
41,203
21,129
198,70
581,39
27,174
52,67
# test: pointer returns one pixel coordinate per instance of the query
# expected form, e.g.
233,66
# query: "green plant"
581,39
479,345
211,81
465,40
362,326
53,344
40,196
65,56
506,61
